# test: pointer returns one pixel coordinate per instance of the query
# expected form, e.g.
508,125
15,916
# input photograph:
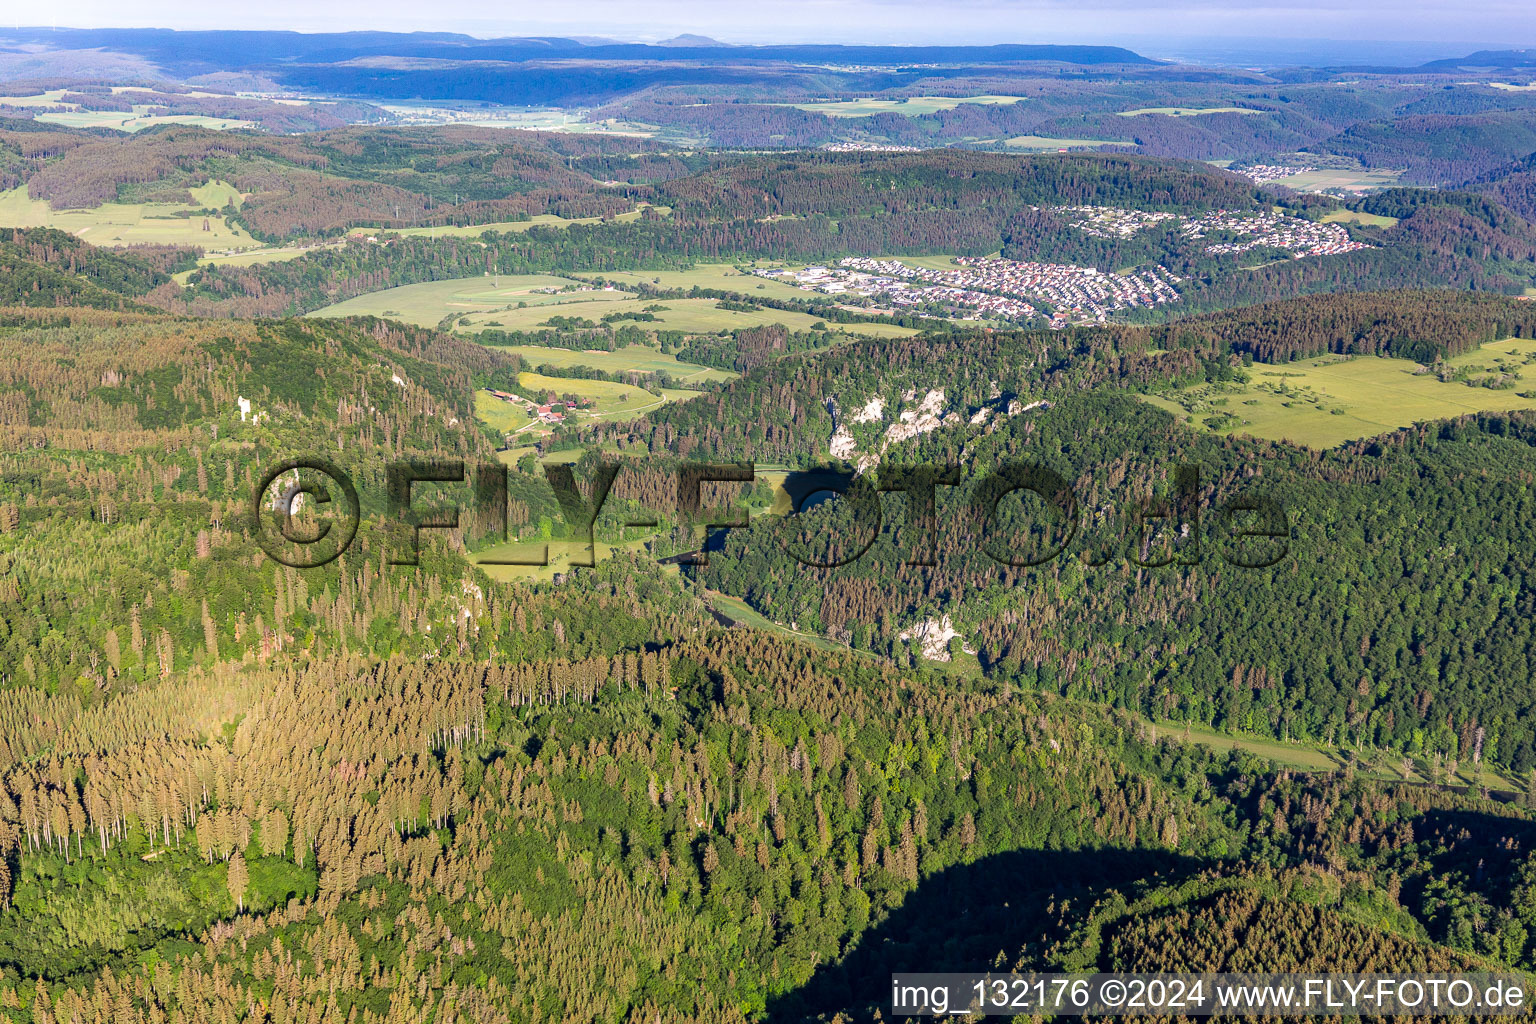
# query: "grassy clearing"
1512,87
597,390
636,358
561,554
48,99
498,415
1356,217
608,401
494,302
137,120
1042,142
1188,111
215,195
126,223
1343,180
250,257
1312,757
1326,401
911,106
724,276
738,611
427,303
702,316
548,220
611,401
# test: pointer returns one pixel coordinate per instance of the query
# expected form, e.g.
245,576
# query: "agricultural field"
636,358
131,223
251,257
427,303
1356,217
51,98
1032,142
692,315
612,401
545,119
688,315
136,120
1342,180
724,276
511,302
1329,400
503,417
911,106
1188,111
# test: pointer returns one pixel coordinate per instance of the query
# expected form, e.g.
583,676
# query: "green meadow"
610,400
133,223
427,303
519,303
500,416
911,106
1312,757
1356,217
1329,400
136,120
1346,180
1042,142
636,358
251,257
560,553
724,276
701,316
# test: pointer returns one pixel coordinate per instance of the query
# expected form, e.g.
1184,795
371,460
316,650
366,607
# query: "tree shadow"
962,918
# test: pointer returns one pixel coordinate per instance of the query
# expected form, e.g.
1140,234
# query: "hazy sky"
1510,22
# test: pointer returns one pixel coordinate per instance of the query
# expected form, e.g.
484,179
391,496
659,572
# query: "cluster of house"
1261,173
991,289
868,147
1077,294
1243,230
1109,222
546,414
904,286
1296,235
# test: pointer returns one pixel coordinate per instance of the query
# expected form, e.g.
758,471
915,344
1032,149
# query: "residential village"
990,288
1296,235
1260,174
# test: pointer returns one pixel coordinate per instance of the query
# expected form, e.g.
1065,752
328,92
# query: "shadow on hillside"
961,918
